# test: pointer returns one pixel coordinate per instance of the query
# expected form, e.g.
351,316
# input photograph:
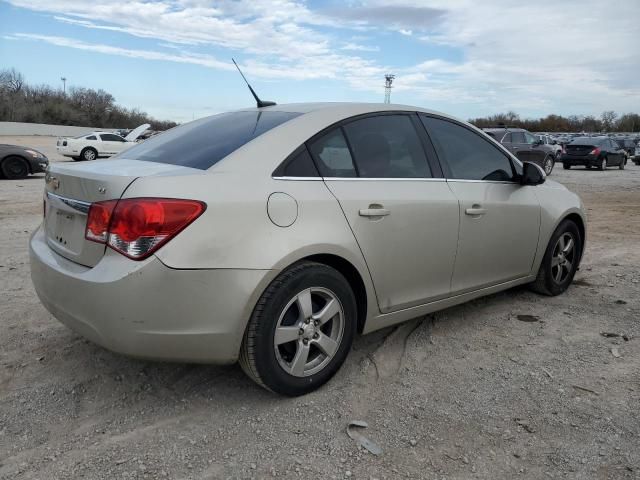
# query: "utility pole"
64,85
388,80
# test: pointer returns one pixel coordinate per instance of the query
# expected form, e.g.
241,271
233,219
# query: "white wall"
18,128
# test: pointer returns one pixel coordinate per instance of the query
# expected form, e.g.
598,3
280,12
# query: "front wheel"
301,330
14,168
548,165
560,260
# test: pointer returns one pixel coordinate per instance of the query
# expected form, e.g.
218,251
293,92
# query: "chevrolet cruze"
274,235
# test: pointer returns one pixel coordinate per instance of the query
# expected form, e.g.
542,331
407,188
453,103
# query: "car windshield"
203,143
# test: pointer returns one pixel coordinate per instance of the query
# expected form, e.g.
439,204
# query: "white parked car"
98,144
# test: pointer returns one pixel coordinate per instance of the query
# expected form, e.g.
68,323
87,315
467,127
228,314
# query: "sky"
172,58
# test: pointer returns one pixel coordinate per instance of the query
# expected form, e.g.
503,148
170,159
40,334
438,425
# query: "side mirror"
532,174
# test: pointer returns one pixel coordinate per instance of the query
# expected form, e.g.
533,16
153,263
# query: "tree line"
609,121
21,102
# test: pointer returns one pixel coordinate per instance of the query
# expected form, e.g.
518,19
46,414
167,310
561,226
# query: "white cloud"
356,47
531,57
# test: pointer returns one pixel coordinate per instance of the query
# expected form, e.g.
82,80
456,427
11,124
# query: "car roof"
343,108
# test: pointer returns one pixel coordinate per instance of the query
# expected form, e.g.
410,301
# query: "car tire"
560,260
89,154
292,305
603,164
14,167
548,164
566,166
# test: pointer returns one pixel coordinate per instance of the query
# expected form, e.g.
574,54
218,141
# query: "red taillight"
595,151
137,227
98,221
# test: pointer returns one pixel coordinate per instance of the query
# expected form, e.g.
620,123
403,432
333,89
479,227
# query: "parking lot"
513,385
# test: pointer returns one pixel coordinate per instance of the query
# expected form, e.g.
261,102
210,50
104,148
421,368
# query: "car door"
112,144
499,218
400,209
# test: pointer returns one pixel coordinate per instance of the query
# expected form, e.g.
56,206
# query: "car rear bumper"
146,309
586,160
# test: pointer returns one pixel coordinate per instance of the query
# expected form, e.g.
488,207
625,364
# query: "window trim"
501,148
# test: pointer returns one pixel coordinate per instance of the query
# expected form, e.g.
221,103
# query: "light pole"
64,85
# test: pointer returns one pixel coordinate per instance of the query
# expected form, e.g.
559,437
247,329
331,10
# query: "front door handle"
475,210
373,212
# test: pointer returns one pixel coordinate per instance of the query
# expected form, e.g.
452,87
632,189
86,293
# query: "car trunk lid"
578,149
70,190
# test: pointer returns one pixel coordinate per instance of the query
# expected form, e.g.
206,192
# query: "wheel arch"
352,275
582,228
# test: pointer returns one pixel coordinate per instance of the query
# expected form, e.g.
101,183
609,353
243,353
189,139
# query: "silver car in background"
273,235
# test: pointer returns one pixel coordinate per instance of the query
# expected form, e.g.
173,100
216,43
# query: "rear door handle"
373,212
475,210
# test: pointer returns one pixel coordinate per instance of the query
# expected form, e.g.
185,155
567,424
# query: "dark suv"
524,145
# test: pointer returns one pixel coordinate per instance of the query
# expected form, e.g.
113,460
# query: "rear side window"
332,155
387,146
467,154
517,137
109,137
299,164
203,143
91,137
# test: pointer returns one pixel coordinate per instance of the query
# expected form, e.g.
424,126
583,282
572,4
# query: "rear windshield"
587,141
203,143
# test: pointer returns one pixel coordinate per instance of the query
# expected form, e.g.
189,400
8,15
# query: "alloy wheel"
563,257
89,155
548,165
309,331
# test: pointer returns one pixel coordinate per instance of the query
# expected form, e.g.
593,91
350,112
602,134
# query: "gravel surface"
513,385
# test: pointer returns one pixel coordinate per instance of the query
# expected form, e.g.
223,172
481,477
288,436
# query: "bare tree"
608,119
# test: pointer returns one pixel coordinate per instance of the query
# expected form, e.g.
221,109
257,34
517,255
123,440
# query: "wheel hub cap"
309,332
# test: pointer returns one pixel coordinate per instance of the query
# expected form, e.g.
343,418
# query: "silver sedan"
273,236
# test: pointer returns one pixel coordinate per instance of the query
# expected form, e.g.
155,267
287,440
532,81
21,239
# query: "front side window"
530,139
467,154
332,155
387,146
203,143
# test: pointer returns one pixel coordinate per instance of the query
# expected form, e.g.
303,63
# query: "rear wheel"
14,167
301,330
603,164
89,154
560,260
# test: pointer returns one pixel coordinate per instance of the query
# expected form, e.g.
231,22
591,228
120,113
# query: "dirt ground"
470,392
